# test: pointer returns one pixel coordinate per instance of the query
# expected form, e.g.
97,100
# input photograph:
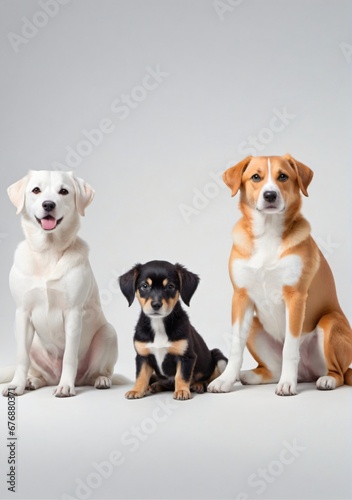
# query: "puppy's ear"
17,193
304,173
188,283
233,176
84,194
127,283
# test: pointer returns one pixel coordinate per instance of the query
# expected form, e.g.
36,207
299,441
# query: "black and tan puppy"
171,355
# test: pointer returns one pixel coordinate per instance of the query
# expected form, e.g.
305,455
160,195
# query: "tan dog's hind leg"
337,350
270,359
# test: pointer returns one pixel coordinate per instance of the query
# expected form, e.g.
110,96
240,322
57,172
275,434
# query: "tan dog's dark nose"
270,196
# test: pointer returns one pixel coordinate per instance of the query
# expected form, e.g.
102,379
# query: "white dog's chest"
264,275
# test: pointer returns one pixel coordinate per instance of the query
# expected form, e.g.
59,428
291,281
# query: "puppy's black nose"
156,305
48,205
270,196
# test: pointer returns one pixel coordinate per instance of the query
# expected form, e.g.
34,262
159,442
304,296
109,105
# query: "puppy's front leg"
24,338
242,318
144,372
183,376
73,330
295,309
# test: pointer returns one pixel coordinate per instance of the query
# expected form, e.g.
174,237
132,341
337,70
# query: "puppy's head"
50,198
158,285
269,184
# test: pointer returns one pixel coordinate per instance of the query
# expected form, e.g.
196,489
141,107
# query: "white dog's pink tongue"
48,224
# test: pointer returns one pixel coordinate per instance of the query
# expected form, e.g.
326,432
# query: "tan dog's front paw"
134,394
182,394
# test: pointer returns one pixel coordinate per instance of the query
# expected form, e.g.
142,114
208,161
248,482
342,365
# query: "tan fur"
182,388
312,302
141,384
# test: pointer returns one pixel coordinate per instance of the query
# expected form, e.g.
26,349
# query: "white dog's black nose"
48,205
270,196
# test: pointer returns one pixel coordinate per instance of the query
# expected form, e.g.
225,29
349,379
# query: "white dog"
62,335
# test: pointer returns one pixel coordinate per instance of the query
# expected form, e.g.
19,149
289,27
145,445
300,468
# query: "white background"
227,69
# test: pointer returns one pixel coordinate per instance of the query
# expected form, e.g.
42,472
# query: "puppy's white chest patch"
160,345
264,275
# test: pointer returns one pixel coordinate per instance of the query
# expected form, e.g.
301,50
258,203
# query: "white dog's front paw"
286,389
220,384
13,389
64,391
326,383
102,382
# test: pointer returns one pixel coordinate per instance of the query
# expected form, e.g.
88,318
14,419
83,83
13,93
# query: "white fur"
263,276
62,335
240,332
160,344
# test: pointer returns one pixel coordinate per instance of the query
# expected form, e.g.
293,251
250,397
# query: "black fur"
160,282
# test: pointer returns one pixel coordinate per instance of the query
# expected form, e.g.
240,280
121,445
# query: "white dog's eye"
36,190
63,191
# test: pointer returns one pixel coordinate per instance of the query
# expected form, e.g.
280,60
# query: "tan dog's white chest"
264,275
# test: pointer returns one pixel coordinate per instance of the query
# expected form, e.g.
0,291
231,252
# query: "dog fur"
284,304
62,335
171,355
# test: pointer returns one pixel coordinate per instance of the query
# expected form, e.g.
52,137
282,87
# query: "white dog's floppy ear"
17,192
84,194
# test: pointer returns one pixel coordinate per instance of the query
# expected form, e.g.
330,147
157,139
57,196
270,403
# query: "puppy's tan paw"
134,394
182,394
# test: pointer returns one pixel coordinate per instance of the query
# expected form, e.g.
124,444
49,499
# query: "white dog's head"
50,198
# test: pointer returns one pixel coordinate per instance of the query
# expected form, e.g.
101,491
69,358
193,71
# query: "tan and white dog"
284,305
62,335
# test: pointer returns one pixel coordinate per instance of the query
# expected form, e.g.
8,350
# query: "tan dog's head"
269,184
50,199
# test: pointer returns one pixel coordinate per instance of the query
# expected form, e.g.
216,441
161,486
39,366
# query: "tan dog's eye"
63,191
144,286
36,190
282,177
256,178
170,286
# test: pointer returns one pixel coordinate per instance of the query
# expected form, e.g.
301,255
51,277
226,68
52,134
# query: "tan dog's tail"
6,374
348,377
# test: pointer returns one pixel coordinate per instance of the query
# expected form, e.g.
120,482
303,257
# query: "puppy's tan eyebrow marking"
149,281
165,282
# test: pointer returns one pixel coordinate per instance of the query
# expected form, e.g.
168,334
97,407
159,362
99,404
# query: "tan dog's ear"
304,173
17,193
84,194
233,175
